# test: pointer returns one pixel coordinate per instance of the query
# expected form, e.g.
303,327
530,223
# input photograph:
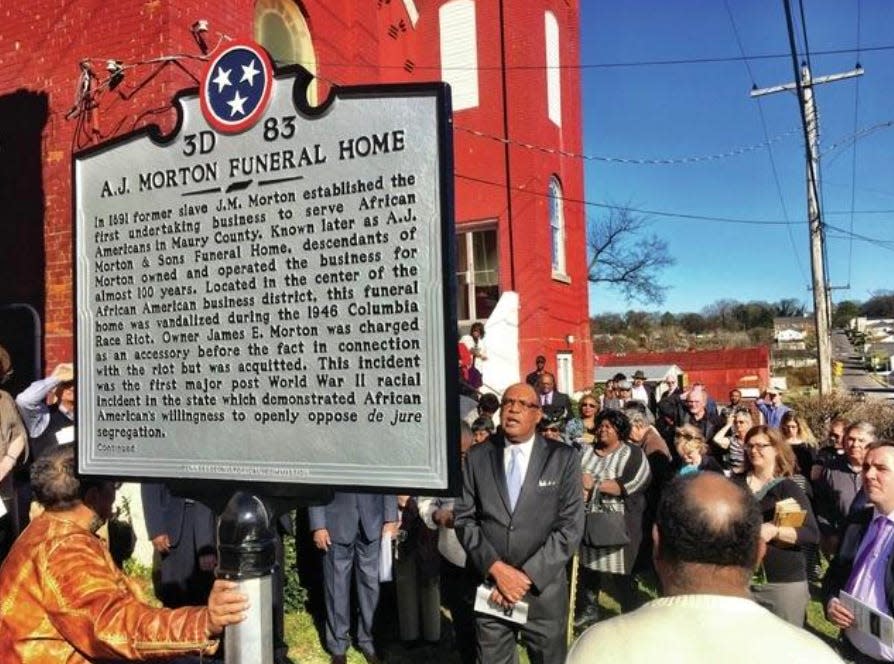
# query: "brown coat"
63,601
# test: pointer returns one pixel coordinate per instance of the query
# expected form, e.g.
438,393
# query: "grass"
305,643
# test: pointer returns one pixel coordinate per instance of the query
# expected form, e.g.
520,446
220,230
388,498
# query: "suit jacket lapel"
496,457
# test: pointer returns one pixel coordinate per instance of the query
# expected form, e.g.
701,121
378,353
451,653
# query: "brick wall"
42,43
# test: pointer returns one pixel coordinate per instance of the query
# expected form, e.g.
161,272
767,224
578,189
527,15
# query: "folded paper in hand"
518,613
789,513
386,559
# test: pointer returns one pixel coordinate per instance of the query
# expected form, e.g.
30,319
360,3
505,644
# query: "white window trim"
553,69
459,51
467,230
558,269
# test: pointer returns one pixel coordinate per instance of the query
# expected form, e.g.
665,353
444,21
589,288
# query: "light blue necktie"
514,476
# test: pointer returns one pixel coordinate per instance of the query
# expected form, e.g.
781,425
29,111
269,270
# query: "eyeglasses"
756,446
588,405
552,430
519,403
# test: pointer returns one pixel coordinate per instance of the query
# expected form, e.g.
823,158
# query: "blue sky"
683,110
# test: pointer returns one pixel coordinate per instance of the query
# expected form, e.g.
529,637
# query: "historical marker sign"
267,293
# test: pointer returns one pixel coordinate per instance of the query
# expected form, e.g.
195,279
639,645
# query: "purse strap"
593,498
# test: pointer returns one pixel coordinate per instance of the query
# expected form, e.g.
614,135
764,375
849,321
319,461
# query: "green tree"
693,323
639,323
607,324
844,312
720,314
880,305
789,307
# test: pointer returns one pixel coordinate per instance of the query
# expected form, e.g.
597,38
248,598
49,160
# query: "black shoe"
370,657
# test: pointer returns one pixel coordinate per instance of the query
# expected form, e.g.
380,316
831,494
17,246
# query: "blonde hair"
689,437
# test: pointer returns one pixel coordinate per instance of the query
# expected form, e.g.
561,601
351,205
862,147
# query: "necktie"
514,476
879,531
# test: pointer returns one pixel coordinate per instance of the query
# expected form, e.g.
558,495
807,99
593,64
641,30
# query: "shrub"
294,593
820,410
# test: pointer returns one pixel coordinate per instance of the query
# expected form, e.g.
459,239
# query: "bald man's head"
705,519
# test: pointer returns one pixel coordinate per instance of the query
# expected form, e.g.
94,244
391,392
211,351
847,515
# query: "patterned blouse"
629,466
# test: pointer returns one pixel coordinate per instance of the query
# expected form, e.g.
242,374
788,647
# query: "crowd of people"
726,510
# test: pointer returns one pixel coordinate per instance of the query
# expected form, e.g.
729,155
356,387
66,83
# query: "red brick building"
518,225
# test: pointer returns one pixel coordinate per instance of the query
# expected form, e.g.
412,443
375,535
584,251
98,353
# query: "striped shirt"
620,465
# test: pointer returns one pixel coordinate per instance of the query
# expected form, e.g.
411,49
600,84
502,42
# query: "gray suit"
539,538
354,522
190,527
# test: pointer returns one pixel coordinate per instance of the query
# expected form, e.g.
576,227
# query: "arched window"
280,27
553,70
556,227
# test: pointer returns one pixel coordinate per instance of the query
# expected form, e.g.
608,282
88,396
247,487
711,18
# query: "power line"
667,161
850,251
760,110
656,213
668,214
611,65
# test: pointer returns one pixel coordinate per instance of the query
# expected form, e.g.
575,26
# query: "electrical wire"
882,243
850,250
667,161
602,65
760,110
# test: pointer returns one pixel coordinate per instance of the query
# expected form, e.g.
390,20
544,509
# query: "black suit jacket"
545,529
561,405
840,568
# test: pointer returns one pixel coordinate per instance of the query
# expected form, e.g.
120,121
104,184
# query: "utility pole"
821,299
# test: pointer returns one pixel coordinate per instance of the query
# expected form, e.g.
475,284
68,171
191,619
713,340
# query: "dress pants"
362,557
418,601
787,600
544,634
176,576
458,593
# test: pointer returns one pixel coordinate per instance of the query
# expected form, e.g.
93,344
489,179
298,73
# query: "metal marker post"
247,555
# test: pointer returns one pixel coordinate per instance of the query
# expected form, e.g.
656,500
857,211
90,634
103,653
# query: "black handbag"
603,528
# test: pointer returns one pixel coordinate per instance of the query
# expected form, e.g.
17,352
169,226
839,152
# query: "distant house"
881,355
790,335
869,326
803,324
720,370
790,339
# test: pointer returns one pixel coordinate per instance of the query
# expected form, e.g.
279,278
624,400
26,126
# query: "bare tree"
622,256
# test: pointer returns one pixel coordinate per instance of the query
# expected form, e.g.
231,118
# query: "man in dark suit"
349,530
556,404
533,377
182,532
520,520
864,566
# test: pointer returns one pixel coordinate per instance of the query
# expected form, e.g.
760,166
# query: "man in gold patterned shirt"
63,600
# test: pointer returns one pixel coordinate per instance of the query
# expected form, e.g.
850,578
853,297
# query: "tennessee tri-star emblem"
236,88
